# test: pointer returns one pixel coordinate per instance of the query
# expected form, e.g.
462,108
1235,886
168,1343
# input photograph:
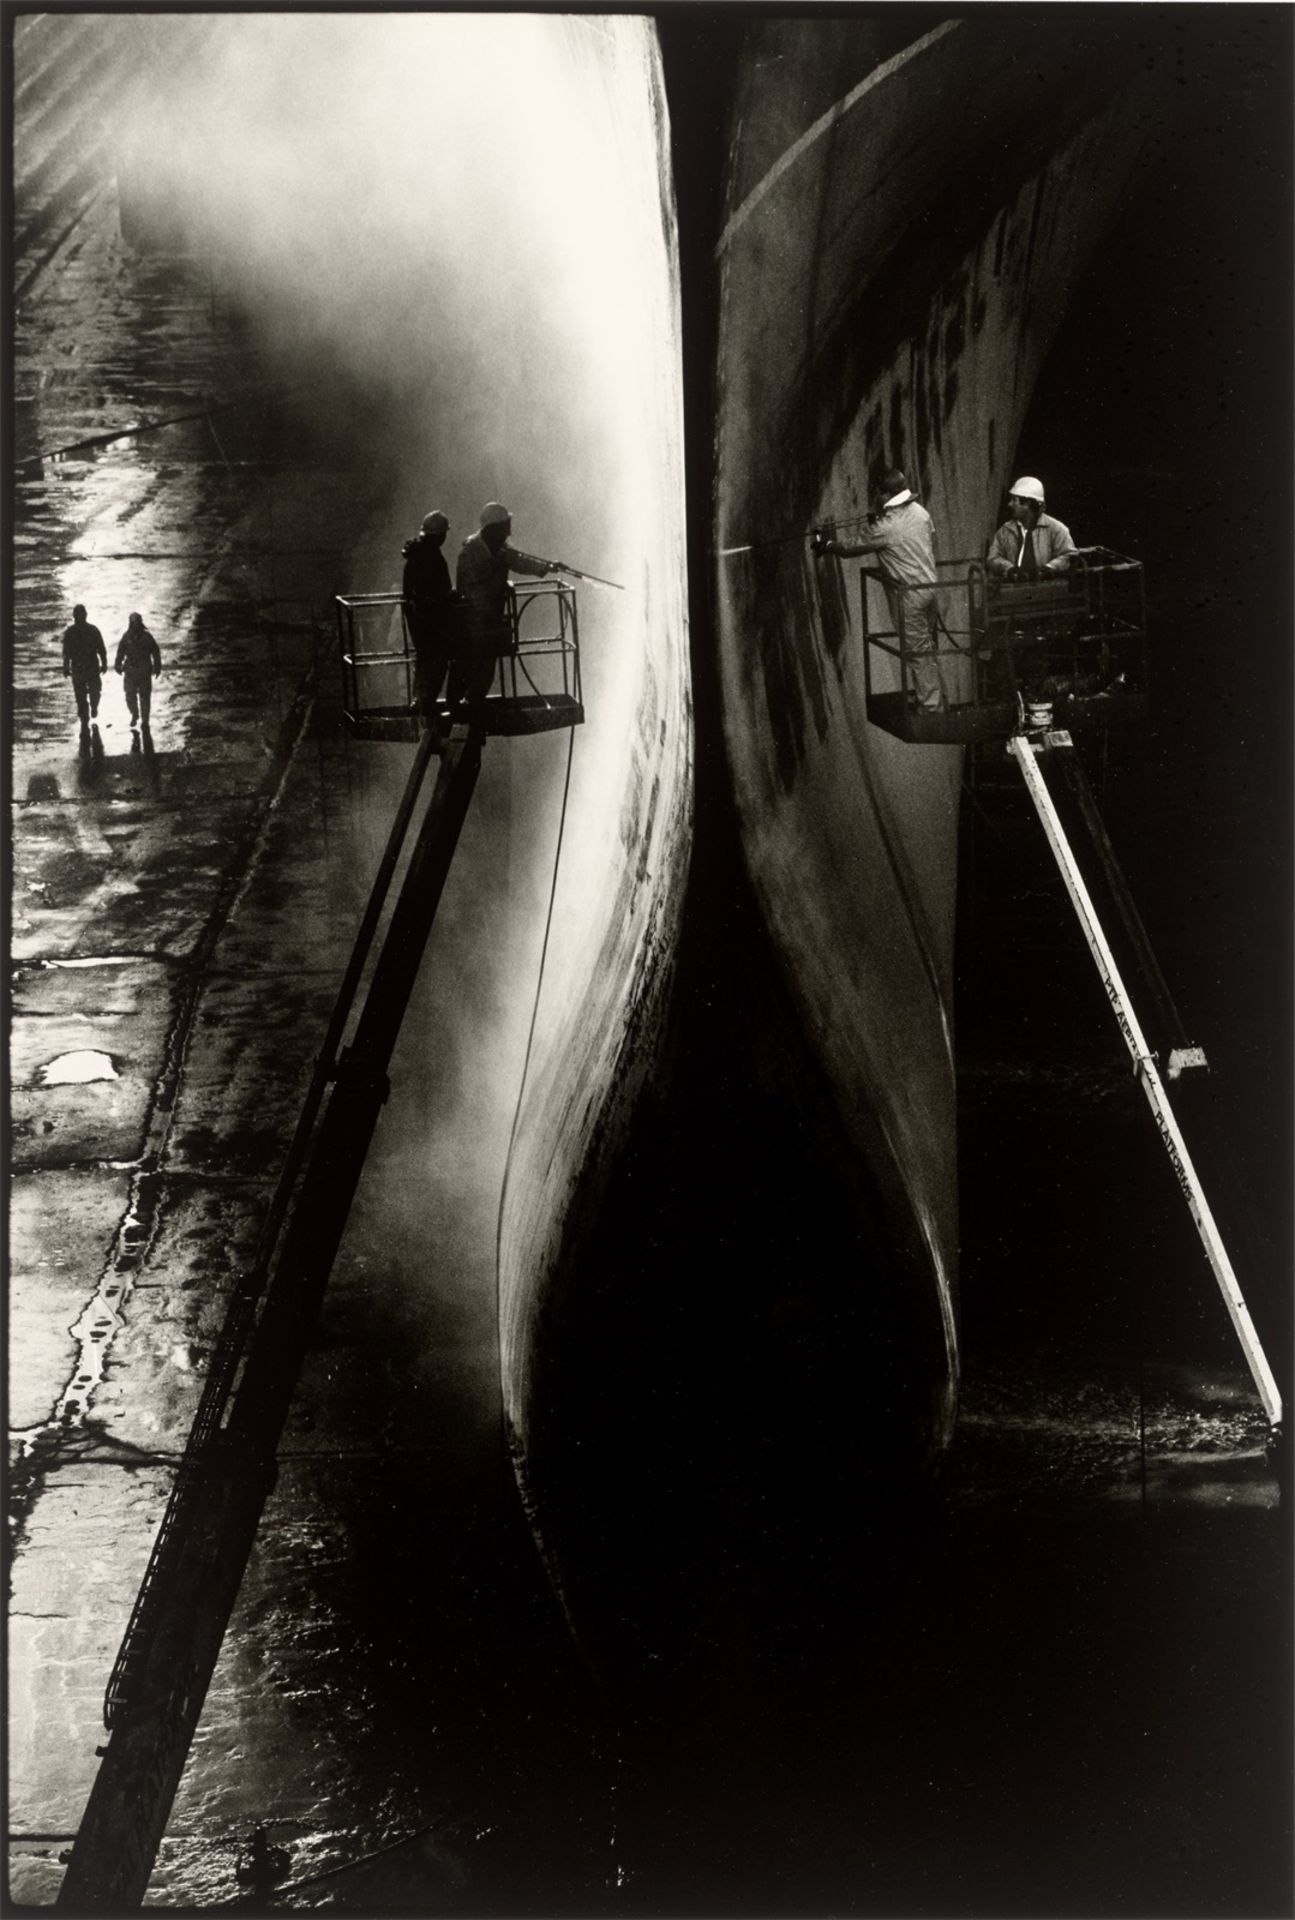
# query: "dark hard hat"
436,522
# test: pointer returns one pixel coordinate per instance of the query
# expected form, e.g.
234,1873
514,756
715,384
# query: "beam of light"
825,123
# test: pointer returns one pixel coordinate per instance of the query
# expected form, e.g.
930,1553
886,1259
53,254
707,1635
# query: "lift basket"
536,684
967,656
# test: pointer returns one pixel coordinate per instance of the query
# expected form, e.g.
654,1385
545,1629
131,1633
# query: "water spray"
561,566
789,539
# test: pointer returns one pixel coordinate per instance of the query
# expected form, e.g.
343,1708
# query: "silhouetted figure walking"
85,661
138,660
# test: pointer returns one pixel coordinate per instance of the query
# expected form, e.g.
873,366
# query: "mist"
451,237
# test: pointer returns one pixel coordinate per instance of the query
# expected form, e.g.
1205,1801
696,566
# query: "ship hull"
731,1370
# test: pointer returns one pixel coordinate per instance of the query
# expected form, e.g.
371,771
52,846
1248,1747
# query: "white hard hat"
1028,488
492,514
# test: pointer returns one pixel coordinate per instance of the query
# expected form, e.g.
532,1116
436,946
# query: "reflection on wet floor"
75,1069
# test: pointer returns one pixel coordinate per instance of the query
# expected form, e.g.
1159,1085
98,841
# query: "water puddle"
76,1068
97,960
99,1321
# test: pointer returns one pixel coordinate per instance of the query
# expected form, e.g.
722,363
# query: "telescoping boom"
1026,751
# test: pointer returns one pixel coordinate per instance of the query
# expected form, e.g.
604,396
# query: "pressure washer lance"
561,566
788,539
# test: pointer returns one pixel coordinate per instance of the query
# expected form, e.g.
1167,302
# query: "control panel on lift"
536,684
965,660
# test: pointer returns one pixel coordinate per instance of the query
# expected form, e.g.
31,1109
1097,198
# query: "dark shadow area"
1098,1351
1162,427
1076,1700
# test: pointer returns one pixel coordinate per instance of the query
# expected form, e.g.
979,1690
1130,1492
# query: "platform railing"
553,656
967,653
536,684
377,653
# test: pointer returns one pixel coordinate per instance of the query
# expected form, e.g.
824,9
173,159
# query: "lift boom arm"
195,1585
1026,753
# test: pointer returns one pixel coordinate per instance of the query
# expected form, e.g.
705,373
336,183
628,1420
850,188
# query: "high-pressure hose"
530,1040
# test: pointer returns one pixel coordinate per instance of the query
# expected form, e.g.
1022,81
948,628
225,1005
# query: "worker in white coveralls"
900,535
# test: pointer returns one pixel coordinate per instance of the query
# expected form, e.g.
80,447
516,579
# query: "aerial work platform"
1075,641
973,659
536,686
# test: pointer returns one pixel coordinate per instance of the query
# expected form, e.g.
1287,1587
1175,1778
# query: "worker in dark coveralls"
481,576
900,535
85,661
431,606
138,659
1030,542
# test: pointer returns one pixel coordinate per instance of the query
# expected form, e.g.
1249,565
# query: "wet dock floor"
1077,1704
